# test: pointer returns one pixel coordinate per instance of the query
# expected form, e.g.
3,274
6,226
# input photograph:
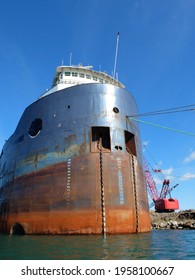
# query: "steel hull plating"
74,166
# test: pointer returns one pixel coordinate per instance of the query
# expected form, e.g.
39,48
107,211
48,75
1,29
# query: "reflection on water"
167,244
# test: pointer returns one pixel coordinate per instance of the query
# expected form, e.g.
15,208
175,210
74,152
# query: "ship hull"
74,166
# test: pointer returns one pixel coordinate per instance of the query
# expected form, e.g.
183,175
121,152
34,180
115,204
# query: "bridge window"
88,76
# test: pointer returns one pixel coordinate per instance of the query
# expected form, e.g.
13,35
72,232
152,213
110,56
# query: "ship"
74,164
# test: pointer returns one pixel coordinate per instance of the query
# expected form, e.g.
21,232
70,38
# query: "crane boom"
151,185
161,202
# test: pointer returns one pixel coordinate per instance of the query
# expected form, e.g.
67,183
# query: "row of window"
82,75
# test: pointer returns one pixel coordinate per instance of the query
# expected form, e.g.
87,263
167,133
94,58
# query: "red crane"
160,201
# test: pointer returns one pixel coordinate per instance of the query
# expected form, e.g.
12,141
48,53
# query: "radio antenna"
116,54
70,58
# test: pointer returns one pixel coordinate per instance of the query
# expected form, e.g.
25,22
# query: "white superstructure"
68,76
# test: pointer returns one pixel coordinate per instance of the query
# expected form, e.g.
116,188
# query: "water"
156,245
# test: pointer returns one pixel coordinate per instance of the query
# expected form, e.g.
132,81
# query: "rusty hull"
52,202
58,180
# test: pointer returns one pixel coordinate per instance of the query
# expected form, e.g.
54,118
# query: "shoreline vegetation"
184,220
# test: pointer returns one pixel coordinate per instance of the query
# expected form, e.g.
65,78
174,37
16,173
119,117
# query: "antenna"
70,58
116,53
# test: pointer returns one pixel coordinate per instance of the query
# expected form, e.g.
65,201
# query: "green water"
159,245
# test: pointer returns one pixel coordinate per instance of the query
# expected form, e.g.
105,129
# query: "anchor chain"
135,193
102,188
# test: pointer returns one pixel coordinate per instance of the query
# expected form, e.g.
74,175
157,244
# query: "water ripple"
159,245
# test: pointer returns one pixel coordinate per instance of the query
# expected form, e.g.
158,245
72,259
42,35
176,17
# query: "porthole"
35,128
118,147
116,110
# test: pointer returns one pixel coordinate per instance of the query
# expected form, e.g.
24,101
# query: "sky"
156,63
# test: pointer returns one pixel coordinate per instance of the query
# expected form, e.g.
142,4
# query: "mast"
70,58
116,54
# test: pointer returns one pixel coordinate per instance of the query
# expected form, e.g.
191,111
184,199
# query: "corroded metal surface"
61,181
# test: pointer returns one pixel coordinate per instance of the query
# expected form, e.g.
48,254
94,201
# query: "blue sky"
156,62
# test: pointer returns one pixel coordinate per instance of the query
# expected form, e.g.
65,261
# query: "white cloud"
188,176
158,181
190,158
168,172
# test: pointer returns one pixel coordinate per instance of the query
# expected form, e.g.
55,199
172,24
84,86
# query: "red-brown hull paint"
50,201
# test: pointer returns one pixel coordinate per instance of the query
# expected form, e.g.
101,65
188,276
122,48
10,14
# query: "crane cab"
166,205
